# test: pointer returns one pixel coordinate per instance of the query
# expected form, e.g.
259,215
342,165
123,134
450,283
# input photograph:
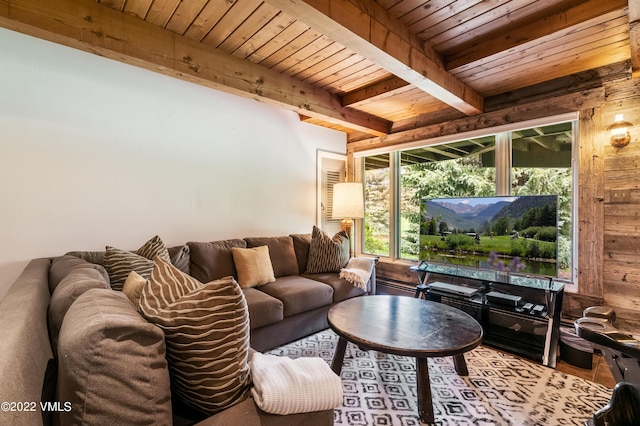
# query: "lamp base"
346,224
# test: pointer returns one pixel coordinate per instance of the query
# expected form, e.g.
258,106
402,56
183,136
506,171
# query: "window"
541,164
534,160
376,205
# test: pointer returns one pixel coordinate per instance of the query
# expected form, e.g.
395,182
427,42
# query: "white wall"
95,152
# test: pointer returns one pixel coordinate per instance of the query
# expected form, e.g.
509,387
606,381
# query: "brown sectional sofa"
293,306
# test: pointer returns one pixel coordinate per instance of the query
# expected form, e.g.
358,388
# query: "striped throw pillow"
206,329
327,254
119,263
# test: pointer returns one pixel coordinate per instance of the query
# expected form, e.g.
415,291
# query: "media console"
518,313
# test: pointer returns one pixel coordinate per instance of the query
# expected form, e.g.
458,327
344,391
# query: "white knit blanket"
358,271
283,385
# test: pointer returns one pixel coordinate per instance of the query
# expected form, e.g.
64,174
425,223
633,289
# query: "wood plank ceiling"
365,67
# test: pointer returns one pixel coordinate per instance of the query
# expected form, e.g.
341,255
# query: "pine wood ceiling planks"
483,48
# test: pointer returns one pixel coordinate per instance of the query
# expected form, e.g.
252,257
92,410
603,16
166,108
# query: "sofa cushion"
111,366
342,289
206,330
213,260
301,244
282,253
96,257
120,262
62,266
253,266
263,309
299,294
327,254
70,288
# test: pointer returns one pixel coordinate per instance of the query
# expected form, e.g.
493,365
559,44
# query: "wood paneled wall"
621,226
609,231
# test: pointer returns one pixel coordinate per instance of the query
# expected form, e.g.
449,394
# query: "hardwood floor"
599,372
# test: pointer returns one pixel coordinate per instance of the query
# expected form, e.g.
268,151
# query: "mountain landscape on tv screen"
466,214
488,232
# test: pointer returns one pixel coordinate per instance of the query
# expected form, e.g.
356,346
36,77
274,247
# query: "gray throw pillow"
180,256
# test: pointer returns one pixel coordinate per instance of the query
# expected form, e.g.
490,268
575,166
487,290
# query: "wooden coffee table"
406,326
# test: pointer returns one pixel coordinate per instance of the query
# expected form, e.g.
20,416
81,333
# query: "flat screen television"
509,233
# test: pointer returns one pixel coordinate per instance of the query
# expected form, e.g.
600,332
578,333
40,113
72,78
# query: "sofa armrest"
25,352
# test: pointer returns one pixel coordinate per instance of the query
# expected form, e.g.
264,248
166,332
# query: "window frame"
503,177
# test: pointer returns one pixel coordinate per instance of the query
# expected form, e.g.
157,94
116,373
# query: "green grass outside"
499,244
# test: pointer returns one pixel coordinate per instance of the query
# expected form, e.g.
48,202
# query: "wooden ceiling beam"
372,91
89,26
634,36
368,30
502,40
542,108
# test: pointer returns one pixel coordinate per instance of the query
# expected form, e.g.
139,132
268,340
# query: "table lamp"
348,204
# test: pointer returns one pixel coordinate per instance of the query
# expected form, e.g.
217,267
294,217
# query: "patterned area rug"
501,389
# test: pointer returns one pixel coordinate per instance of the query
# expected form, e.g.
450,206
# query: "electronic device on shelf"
459,290
537,310
503,298
520,314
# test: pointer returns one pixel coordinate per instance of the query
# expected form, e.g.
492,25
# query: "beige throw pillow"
133,287
253,266
206,329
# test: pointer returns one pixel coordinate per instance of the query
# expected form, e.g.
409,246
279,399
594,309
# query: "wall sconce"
619,132
348,204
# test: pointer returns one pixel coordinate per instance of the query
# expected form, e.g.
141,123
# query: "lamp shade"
348,200
620,131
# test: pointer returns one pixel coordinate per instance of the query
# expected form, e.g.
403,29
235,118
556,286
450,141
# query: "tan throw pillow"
327,254
253,266
133,287
206,329
120,262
